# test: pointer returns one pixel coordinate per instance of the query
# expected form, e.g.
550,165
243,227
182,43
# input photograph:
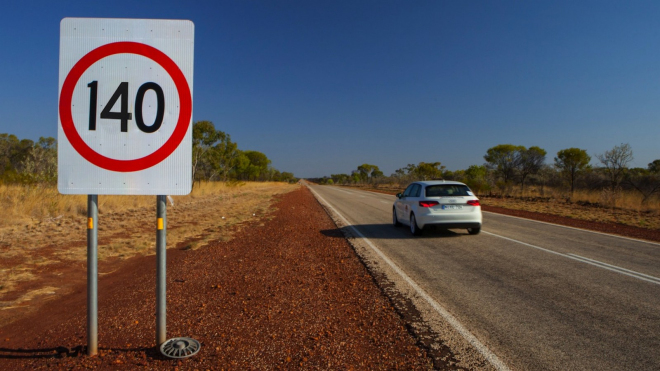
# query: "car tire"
474,230
395,220
414,229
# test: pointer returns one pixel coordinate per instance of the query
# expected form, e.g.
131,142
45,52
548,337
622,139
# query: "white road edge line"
490,356
596,263
575,228
619,269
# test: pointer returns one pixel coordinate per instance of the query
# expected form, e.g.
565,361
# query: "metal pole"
92,274
161,265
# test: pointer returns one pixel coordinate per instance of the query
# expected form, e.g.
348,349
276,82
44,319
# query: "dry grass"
26,204
42,229
16,303
621,199
606,206
10,276
648,219
623,207
606,198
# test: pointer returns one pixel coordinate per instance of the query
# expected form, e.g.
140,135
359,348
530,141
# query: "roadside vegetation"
514,176
28,175
216,157
35,247
41,228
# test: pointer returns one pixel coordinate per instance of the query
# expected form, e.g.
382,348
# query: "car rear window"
442,190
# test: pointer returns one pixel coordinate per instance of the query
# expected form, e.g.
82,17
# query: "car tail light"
428,203
473,203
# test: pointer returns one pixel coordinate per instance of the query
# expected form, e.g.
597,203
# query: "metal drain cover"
180,348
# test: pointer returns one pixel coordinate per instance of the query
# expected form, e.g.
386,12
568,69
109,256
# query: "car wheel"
395,220
474,230
414,229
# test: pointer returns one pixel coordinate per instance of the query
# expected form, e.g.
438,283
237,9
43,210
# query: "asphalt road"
538,296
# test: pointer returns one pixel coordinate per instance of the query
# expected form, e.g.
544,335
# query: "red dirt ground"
278,296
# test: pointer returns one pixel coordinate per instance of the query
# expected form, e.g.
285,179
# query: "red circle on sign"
125,47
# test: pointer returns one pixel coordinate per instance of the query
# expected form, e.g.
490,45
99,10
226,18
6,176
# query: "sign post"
125,128
92,274
161,262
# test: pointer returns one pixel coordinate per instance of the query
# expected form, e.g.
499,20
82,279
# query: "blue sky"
323,86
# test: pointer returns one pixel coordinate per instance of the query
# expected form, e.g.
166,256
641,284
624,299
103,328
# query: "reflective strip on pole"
92,274
161,266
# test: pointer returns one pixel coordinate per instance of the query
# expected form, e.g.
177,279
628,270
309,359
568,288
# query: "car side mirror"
399,195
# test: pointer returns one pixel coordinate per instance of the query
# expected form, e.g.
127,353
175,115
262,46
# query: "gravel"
288,292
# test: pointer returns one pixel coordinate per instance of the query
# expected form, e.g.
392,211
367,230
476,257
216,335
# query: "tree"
41,163
421,171
366,172
399,173
287,177
242,163
644,181
215,155
13,156
475,178
223,155
654,166
428,170
7,144
204,137
258,165
450,175
616,162
503,159
572,162
340,178
529,162
546,173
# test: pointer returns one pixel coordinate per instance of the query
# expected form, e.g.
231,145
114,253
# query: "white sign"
125,106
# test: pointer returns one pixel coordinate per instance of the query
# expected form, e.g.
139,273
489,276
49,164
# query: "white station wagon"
446,204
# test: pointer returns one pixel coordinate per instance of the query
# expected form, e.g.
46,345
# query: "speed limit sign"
125,106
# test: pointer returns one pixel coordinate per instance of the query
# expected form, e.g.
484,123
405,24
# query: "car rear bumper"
454,225
471,219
